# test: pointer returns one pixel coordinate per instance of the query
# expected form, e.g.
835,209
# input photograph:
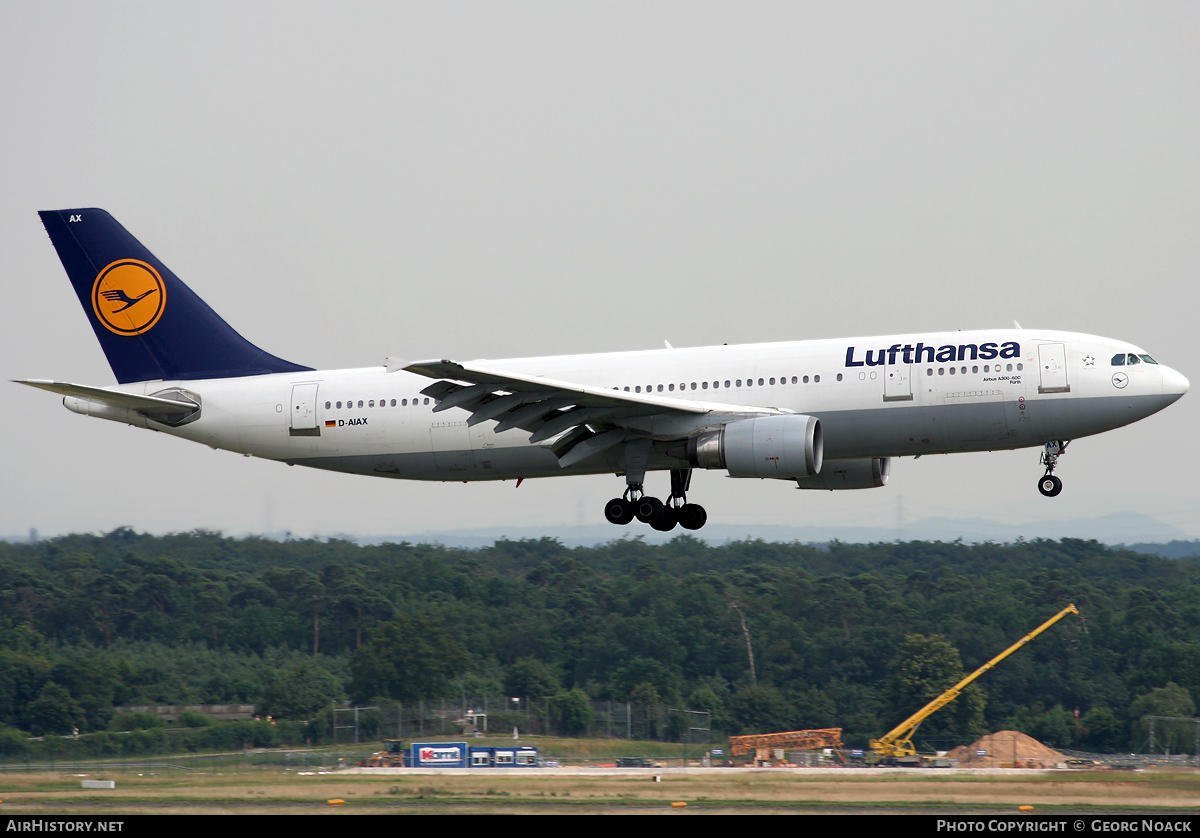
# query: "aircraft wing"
592,418
146,404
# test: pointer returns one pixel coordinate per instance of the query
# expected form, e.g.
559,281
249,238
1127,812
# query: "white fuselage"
875,397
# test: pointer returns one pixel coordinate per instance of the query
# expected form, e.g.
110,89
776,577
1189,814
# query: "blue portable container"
517,757
439,755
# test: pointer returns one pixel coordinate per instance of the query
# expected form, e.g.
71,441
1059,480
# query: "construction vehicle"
896,748
392,756
769,748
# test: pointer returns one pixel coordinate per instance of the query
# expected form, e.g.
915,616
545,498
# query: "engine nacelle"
865,473
779,447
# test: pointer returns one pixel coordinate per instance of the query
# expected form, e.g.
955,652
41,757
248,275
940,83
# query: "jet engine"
780,447
865,473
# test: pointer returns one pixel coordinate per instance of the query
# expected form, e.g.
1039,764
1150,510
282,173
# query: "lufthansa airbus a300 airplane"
824,414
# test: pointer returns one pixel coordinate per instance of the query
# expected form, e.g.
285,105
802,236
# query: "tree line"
766,636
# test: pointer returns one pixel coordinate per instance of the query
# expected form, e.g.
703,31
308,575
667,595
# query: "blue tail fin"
150,325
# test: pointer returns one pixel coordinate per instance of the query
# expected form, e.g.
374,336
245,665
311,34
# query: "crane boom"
800,740
897,742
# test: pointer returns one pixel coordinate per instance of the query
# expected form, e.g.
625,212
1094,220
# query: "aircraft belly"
891,431
501,463
1069,418
976,417
975,423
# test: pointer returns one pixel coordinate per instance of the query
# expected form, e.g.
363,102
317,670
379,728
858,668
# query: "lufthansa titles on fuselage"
921,353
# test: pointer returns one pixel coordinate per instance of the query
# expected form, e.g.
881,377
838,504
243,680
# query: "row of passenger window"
728,384
804,379
975,369
371,403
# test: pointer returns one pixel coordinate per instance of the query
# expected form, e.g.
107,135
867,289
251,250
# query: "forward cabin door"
1052,363
897,383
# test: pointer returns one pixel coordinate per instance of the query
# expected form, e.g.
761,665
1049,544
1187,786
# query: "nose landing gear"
1050,485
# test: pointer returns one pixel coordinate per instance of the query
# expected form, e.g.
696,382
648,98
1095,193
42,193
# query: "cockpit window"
1134,359
1148,359
1118,359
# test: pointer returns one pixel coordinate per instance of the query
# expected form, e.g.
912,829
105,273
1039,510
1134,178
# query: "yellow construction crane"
898,741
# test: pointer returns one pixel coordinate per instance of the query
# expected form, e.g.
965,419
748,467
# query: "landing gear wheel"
618,511
692,516
667,520
1050,486
648,510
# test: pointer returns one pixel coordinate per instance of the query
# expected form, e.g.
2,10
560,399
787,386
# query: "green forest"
765,636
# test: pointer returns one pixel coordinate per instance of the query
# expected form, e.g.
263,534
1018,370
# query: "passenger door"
897,383
304,410
1052,365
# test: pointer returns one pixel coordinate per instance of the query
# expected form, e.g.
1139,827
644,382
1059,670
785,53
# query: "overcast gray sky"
348,181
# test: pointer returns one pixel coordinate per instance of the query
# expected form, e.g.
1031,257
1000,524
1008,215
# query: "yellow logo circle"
128,297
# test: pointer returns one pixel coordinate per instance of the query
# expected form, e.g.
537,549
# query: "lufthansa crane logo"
128,297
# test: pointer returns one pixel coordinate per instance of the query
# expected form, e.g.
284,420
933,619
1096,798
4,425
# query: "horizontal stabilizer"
143,404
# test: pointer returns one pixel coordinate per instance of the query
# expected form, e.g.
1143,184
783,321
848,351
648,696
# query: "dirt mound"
1007,749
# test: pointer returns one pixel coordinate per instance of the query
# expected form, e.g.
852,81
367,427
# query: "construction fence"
500,716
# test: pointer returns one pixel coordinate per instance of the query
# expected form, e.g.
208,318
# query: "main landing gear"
661,516
1050,485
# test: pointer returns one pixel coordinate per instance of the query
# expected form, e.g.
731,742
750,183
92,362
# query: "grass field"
532,791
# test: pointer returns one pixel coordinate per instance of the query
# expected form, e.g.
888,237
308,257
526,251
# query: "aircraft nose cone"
1174,385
